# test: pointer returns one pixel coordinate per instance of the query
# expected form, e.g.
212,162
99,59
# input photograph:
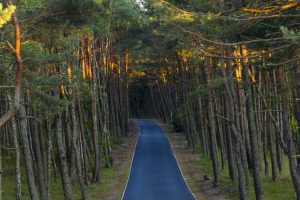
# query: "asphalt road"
155,174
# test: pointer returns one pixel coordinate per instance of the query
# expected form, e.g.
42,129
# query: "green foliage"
126,14
290,34
294,125
216,84
35,55
27,4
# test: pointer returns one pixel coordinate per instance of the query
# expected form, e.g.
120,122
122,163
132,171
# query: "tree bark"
62,160
17,152
27,154
287,132
253,137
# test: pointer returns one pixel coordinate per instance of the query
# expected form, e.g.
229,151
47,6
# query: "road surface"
155,174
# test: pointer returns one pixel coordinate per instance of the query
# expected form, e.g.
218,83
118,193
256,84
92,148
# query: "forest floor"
194,169
193,165
112,185
112,180
196,165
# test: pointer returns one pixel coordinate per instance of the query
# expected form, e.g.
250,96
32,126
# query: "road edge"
133,155
174,154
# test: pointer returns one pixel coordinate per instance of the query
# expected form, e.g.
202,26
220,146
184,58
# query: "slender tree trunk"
49,157
230,150
27,154
235,133
212,132
1,191
17,152
253,138
95,177
295,75
75,140
84,144
287,132
39,158
62,160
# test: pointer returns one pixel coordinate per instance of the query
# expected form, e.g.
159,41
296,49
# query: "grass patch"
282,189
8,184
112,182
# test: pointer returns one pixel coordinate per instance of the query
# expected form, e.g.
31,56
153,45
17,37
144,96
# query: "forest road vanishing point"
155,173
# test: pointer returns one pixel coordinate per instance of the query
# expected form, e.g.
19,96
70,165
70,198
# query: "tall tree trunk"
75,141
295,75
1,191
253,137
229,147
95,177
212,132
17,152
62,160
49,157
27,153
235,133
84,143
287,132
39,158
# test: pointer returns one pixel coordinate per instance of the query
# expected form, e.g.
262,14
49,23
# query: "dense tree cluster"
70,100
225,72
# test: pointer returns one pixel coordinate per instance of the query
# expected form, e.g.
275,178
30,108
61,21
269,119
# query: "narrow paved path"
155,174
